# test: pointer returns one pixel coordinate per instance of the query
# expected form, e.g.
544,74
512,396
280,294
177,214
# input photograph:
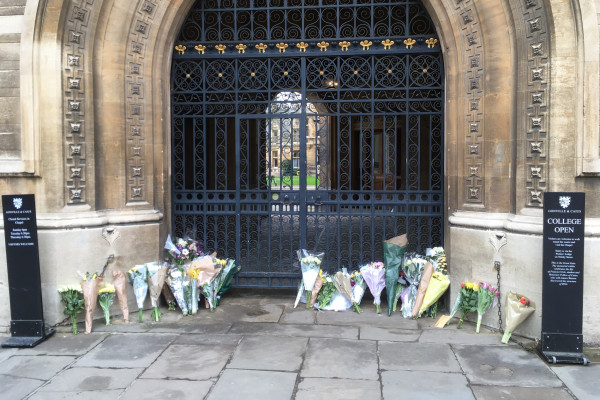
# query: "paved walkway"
259,347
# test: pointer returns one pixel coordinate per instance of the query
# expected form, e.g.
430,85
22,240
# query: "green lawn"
311,181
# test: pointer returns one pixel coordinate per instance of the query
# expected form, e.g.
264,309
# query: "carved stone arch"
114,82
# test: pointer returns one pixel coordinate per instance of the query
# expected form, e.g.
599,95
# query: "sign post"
562,294
23,265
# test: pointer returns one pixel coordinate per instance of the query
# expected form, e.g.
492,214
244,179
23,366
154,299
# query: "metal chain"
497,268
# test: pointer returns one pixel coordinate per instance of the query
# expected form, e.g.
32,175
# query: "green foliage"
72,302
326,294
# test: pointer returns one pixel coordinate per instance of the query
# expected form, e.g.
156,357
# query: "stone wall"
10,113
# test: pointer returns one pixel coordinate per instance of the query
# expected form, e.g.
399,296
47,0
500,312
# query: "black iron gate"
306,124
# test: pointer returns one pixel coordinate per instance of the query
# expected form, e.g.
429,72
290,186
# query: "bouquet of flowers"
182,250
359,286
374,274
90,285
191,288
327,291
466,301
401,285
137,276
105,299
205,273
423,284
393,257
437,256
310,265
486,298
413,269
438,284
168,296
518,308
342,283
157,273
176,281
71,297
316,289
226,276
120,285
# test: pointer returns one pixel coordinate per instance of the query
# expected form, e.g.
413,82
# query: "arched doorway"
306,124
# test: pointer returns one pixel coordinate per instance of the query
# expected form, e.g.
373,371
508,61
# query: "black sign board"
23,265
562,294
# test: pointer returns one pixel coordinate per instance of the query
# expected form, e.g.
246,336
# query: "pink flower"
484,285
496,293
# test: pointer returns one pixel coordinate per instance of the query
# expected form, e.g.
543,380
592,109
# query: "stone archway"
96,112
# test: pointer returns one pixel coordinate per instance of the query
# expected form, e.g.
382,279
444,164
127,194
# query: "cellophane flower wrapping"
157,272
327,292
73,302
90,288
175,279
393,257
182,250
468,300
423,284
518,309
120,284
300,293
413,269
374,275
310,264
138,278
487,297
106,294
438,284
343,285
359,286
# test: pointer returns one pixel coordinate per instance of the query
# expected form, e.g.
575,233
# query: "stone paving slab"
151,389
200,362
5,353
126,351
389,334
581,379
95,395
65,344
92,379
504,366
226,313
212,339
367,318
324,331
299,315
14,387
35,367
336,358
465,335
192,327
329,389
424,385
275,353
431,357
254,385
519,393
